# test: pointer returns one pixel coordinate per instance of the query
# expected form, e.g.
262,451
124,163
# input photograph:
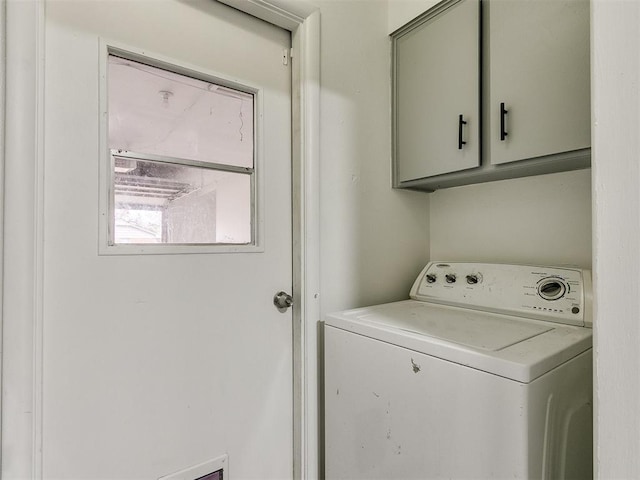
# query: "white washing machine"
485,373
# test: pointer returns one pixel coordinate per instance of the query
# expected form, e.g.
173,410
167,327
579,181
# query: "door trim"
23,33
23,246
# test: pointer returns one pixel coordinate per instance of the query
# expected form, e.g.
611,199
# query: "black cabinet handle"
461,122
503,119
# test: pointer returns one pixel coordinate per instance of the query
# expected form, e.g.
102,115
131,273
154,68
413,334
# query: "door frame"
22,222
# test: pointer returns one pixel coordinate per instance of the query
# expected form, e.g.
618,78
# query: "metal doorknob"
282,300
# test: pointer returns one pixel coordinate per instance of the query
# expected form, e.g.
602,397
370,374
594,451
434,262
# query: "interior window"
182,158
213,476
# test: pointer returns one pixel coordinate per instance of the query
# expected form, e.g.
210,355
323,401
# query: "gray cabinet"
437,97
538,68
534,86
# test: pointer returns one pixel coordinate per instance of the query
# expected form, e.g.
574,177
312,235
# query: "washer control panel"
556,294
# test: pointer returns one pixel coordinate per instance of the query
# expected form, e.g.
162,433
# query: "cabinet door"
539,69
436,90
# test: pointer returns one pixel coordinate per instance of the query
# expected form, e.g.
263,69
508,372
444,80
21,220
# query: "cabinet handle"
461,122
503,119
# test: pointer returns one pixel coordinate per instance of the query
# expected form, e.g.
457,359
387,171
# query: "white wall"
616,205
373,239
541,220
401,11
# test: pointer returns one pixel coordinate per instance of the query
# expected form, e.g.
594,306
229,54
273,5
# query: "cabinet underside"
575,160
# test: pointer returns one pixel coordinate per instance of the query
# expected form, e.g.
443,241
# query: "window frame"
106,245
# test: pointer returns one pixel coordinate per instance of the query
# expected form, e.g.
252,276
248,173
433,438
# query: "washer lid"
513,347
472,328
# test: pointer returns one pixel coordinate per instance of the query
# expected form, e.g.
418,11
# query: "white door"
154,363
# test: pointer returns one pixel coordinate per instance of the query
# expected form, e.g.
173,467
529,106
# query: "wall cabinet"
491,90
438,108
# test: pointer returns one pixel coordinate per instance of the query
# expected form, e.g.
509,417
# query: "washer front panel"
395,413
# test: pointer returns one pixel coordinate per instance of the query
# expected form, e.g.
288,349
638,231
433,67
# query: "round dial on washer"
450,278
552,288
431,277
472,279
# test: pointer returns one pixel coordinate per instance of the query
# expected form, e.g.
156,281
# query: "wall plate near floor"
216,469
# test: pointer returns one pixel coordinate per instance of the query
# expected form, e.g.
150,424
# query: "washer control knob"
431,278
552,288
450,278
472,279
